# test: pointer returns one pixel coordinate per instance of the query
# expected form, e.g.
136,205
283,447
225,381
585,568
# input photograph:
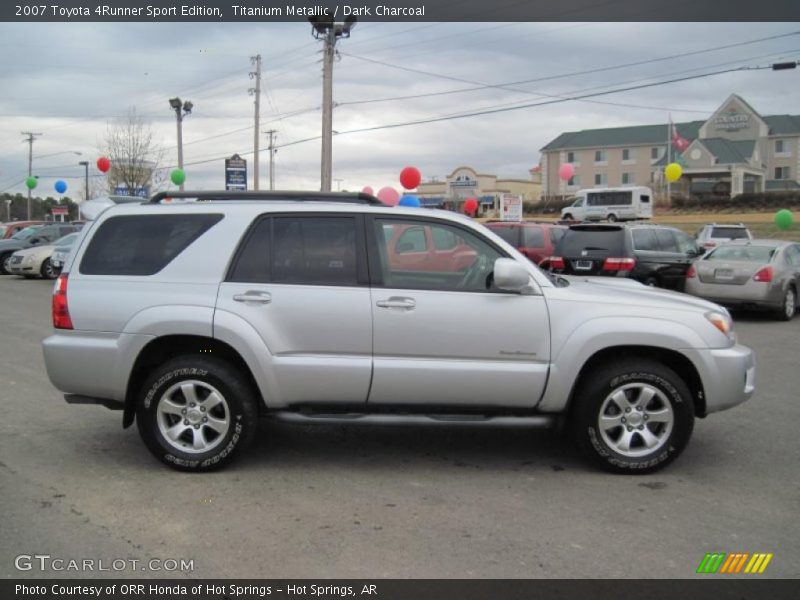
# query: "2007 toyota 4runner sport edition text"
196,313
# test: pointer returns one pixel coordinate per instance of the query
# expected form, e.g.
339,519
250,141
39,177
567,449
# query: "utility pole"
271,133
256,91
324,28
30,138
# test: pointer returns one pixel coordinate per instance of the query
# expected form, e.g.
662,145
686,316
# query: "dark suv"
537,241
655,255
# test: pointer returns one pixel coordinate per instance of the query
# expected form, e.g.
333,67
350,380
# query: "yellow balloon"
673,172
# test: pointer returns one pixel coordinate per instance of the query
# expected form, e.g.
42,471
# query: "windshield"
592,242
754,254
67,240
24,234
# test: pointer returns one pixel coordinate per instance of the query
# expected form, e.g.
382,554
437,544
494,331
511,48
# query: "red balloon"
410,178
471,206
104,164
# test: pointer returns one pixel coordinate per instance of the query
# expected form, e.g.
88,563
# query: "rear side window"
644,239
666,241
532,237
595,242
142,244
509,234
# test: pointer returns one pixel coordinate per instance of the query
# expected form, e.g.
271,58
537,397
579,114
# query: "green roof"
654,134
728,152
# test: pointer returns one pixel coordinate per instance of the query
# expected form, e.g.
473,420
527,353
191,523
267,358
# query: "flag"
679,142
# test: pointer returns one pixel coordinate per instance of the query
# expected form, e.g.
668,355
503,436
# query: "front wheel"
568,217
612,218
5,263
48,271
632,416
196,413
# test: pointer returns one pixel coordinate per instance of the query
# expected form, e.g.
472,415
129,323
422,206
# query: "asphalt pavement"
323,502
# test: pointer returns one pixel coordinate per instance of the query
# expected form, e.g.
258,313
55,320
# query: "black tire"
238,408
627,375
612,218
788,306
4,263
568,217
47,271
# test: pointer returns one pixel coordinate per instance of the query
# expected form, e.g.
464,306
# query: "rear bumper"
728,375
752,293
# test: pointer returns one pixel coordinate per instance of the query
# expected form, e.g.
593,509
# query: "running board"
530,421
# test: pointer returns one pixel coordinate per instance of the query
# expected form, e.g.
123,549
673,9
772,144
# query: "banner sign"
510,207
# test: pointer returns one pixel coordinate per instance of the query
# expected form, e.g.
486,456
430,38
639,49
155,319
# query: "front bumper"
728,375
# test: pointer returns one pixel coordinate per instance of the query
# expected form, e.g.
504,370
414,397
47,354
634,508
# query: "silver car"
749,273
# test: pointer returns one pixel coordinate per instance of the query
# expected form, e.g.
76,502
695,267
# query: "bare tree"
135,157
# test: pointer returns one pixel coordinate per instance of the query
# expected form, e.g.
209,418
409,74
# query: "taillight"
618,264
557,262
61,318
763,275
691,272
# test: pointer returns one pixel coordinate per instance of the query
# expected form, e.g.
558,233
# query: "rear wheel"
196,413
651,281
48,271
569,217
632,416
787,310
612,218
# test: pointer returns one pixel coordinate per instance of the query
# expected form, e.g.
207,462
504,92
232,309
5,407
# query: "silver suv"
712,235
197,317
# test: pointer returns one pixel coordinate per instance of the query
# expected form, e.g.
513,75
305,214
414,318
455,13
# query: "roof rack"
347,197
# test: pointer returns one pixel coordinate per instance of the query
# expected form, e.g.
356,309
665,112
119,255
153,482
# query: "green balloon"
31,182
784,218
177,176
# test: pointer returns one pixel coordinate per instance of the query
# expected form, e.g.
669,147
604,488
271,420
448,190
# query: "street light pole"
85,164
181,110
326,29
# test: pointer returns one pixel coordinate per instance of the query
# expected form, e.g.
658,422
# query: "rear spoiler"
93,208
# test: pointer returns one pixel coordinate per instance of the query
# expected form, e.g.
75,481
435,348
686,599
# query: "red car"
12,227
537,241
421,248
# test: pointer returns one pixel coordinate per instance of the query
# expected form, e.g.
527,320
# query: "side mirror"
510,276
699,251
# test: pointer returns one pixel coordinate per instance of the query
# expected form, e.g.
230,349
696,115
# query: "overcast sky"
69,80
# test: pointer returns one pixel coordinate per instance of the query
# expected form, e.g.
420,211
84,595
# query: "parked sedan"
749,274
36,261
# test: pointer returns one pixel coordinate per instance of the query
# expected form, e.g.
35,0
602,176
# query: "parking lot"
315,502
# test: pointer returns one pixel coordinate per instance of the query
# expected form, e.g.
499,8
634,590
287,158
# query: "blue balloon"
410,200
61,186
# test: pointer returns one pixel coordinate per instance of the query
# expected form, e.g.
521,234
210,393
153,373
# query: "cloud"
67,80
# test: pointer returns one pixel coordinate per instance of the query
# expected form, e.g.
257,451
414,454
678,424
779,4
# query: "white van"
613,204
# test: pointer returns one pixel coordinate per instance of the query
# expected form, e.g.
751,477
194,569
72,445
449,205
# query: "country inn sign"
736,150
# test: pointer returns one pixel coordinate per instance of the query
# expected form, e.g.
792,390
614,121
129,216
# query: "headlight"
28,259
723,322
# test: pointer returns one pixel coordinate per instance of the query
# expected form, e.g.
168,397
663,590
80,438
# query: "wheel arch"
673,359
165,347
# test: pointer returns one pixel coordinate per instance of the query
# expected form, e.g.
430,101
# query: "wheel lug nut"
183,412
186,421
641,427
646,417
202,409
628,409
205,419
197,426
623,419
630,428
192,404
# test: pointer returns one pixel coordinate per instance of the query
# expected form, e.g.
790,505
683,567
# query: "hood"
623,291
35,250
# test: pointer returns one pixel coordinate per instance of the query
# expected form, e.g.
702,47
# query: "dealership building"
466,182
736,150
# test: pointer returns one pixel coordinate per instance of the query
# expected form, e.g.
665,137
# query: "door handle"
254,296
398,302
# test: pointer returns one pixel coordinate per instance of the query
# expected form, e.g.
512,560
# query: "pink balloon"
566,172
368,190
389,195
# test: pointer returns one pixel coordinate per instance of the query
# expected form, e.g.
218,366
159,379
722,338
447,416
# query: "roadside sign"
510,207
59,210
236,173
139,192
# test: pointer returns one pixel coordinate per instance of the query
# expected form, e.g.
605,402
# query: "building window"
781,147
626,154
572,158
575,180
781,172
627,178
600,156
600,179
654,153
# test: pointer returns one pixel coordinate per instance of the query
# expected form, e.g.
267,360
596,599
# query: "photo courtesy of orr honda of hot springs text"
200,316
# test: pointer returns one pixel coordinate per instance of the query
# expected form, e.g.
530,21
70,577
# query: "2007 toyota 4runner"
198,312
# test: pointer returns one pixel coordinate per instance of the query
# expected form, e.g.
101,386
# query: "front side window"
465,267
412,240
666,241
142,244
